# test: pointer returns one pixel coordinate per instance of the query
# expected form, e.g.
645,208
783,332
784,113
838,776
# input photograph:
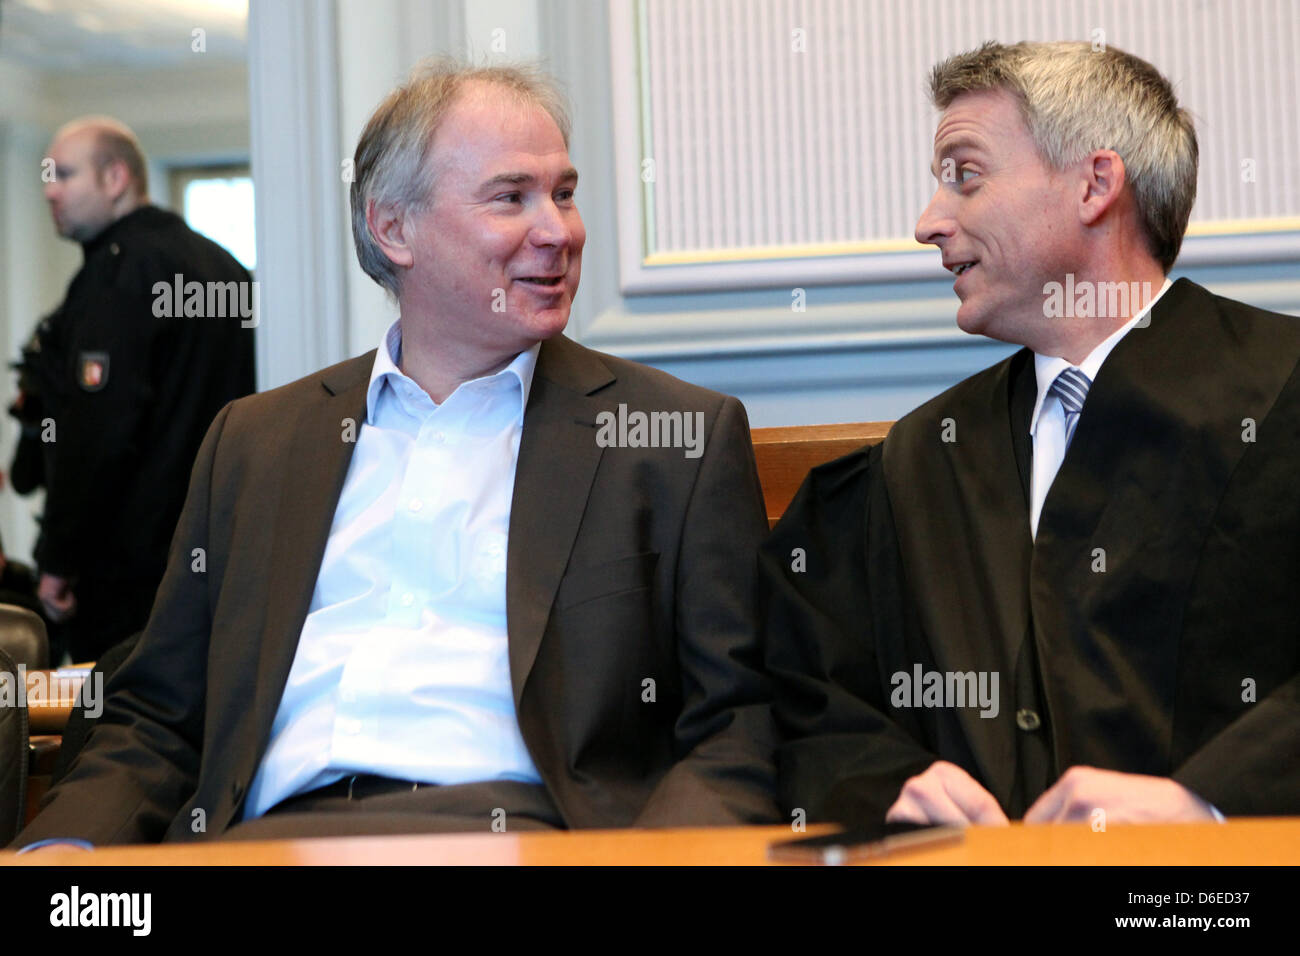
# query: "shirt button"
350,726
348,695
415,504
439,437
408,599
1027,720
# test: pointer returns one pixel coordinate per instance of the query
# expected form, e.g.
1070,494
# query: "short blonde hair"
1074,100
391,165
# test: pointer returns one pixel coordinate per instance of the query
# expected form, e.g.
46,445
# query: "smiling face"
80,200
1002,218
497,250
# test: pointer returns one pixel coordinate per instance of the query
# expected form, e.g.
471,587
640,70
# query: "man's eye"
511,197
967,174
564,195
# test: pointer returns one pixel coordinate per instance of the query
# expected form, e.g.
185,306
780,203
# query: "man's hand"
1124,797
945,793
56,597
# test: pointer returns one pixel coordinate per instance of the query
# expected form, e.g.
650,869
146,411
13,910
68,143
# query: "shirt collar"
389,355
1048,367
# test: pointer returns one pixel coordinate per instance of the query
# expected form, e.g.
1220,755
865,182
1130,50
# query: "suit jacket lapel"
558,456
320,450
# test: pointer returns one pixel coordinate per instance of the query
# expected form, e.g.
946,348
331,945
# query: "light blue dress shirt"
402,667
1047,424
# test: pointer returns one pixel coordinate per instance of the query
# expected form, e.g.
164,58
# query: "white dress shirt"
402,667
1047,425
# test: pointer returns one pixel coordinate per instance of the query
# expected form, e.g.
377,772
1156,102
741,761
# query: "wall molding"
922,320
748,137
293,107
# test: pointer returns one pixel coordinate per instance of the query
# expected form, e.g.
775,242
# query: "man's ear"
115,178
1104,177
388,225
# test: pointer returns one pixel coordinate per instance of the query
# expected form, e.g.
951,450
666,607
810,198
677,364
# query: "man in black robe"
1064,589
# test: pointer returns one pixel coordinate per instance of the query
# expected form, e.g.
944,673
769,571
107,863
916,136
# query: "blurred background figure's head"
99,176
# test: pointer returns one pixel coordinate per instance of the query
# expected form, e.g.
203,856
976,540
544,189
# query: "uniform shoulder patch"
92,370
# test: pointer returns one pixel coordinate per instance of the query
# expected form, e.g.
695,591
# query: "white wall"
34,268
868,351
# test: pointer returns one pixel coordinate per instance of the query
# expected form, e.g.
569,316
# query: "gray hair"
1075,100
391,165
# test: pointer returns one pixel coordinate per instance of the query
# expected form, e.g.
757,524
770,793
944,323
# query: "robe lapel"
1005,547
961,508
316,466
557,463
1024,394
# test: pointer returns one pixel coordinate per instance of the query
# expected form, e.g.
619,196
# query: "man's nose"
554,225
936,222
51,190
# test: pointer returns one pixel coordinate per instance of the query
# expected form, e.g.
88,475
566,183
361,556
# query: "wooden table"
1244,842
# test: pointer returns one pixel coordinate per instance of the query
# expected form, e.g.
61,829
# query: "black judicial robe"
1176,654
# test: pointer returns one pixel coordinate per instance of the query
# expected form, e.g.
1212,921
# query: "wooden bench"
786,455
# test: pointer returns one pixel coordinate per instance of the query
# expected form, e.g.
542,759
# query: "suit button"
1027,720
114,248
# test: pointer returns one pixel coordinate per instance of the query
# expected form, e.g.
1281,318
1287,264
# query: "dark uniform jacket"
1152,627
132,383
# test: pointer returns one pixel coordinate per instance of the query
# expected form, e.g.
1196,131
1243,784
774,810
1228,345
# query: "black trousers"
461,808
108,612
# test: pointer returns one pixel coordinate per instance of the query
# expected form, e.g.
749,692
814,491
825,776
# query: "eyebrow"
960,141
524,179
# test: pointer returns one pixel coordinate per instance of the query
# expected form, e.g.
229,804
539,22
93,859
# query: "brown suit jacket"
624,564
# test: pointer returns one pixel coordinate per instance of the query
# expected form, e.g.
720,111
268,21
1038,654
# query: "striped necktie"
1071,387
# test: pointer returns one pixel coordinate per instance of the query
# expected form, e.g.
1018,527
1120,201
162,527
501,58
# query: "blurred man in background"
127,374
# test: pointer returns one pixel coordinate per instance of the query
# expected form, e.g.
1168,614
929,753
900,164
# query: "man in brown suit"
619,606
